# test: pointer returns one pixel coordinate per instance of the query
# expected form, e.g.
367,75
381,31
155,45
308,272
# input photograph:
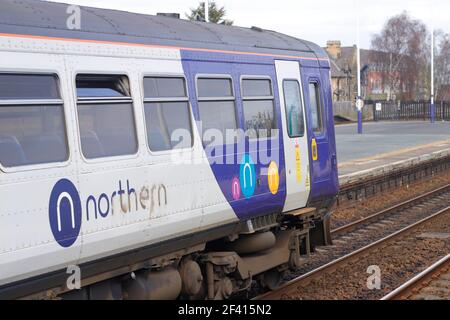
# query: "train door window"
167,115
294,108
258,104
32,124
105,116
216,103
316,107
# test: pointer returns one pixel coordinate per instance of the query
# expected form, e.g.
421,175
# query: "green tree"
216,14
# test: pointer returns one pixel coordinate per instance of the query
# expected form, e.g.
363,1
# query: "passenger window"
258,104
105,116
167,113
294,108
32,126
316,107
216,105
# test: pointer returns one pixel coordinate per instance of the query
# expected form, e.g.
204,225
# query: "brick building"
344,77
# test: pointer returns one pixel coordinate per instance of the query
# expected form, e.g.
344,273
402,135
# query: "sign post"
359,107
432,105
359,100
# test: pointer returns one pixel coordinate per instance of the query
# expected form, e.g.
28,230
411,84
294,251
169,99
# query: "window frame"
167,99
232,98
36,102
302,106
320,110
260,98
100,100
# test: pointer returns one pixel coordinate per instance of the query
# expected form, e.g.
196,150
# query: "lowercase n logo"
65,213
247,176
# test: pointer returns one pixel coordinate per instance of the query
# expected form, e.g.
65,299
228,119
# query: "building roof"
336,71
42,18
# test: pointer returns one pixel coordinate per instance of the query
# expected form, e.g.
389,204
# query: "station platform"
387,146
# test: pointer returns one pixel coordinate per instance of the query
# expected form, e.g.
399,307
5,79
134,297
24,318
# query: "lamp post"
432,105
359,101
206,10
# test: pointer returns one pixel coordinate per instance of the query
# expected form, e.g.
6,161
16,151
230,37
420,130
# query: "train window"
294,109
214,87
32,125
258,104
105,116
216,106
165,87
28,86
316,107
167,114
256,88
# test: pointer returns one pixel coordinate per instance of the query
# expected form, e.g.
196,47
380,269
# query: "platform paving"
384,144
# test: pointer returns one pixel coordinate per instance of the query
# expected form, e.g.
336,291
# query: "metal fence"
415,110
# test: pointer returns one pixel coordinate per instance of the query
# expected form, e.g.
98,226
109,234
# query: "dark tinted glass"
314,100
259,118
211,87
168,125
28,87
256,88
294,110
107,130
32,135
164,87
95,86
219,115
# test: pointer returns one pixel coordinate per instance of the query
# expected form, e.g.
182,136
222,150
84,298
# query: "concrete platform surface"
386,143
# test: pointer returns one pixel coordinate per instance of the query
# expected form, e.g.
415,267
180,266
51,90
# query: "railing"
415,110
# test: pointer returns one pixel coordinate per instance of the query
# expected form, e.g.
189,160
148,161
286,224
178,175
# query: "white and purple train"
151,157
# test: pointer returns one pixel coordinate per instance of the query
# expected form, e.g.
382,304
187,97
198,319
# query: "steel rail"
389,211
406,290
333,265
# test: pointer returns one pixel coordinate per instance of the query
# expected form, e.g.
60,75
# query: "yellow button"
273,178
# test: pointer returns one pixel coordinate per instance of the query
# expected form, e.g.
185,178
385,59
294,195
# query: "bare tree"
442,65
402,48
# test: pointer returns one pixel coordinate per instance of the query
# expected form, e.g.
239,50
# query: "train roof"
42,18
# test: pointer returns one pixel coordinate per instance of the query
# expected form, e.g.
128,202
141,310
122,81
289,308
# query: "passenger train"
150,157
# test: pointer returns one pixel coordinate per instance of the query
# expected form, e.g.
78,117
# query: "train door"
294,134
319,137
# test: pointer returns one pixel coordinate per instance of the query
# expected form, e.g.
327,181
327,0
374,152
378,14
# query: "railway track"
386,213
358,234
357,237
432,283
332,280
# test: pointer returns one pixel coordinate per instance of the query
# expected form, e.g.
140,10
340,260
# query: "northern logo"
65,213
247,176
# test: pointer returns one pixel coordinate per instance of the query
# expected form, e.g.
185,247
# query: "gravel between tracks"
398,262
354,210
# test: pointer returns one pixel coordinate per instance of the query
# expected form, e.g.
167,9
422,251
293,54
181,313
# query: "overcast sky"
314,20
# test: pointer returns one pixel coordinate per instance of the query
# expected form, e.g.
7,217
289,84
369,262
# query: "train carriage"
160,158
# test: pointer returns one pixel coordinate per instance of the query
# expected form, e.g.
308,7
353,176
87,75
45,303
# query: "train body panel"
227,160
117,189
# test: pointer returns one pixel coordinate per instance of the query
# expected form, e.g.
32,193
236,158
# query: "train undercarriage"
261,250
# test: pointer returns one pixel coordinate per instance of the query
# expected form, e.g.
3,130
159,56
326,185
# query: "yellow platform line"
394,153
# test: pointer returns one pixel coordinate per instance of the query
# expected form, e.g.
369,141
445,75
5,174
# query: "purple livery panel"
260,200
